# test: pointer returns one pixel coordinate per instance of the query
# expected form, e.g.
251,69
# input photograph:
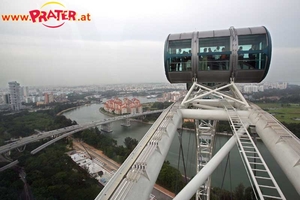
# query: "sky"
124,41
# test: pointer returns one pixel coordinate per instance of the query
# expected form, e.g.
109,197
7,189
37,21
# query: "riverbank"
137,120
66,110
101,109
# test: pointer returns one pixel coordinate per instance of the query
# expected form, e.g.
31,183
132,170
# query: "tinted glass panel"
252,52
214,53
179,56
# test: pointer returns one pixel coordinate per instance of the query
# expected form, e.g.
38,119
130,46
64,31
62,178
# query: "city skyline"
141,84
125,43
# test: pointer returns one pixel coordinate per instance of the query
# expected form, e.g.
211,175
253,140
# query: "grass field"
289,113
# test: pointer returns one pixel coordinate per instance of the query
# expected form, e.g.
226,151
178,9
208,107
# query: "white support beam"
286,152
146,180
144,186
210,114
191,188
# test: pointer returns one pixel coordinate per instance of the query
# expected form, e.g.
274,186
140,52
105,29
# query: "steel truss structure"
205,136
207,105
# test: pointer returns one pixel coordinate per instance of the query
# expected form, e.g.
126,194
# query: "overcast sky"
124,41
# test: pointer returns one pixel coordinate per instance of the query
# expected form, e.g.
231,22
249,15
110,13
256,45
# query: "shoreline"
66,110
107,113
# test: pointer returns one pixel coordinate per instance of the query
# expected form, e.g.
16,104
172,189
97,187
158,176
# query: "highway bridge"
64,132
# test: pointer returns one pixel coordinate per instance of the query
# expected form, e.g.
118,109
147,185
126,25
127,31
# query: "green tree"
170,178
130,143
239,192
249,194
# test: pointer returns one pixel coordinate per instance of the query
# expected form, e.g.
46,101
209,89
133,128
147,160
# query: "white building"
15,99
34,99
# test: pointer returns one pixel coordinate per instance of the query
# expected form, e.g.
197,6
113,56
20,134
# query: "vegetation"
287,113
155,106
170,178
289,95
60,107
189,125
78,96
284,112
160,105
51,174
240,193
223,126
107,144
25,123
294,128
10,185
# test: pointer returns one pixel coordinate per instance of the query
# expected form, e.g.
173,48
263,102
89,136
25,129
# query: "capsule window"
252,52
179,56
214,53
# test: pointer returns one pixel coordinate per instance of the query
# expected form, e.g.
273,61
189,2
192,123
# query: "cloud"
56,62
124,41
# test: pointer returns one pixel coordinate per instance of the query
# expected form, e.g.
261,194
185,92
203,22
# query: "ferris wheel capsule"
217,56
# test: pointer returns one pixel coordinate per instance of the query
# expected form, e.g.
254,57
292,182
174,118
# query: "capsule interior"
242,54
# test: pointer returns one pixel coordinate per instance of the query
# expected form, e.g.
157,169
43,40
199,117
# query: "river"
238,174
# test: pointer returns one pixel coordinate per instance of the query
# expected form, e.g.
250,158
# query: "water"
238,174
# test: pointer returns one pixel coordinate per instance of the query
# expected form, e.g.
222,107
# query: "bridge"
62,133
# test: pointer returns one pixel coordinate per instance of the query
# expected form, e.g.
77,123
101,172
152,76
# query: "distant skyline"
124,41
134,84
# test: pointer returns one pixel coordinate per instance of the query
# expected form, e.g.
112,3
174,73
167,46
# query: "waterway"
235,173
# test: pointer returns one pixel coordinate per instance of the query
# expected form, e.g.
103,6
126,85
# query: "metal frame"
205,134
204,91
237,101
207,128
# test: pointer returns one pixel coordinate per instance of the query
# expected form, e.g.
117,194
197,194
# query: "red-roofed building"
127,106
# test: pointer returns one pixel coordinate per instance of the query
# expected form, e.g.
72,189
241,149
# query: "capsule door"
213,59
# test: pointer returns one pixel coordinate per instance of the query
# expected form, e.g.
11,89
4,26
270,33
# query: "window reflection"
214,53
251,53
179,56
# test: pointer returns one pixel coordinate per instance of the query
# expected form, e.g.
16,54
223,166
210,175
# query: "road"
110,165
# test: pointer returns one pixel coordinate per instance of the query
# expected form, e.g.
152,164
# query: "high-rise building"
51,98
15,100
7,98
25,91
46,98
34,99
